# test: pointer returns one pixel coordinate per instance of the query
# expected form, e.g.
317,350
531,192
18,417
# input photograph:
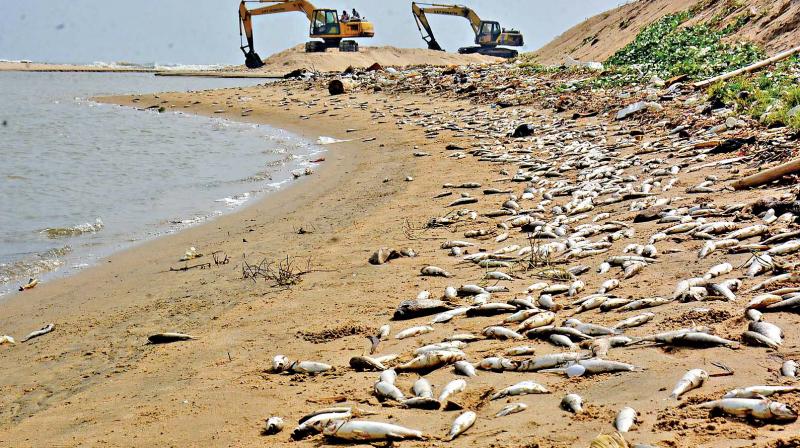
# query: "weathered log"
767,176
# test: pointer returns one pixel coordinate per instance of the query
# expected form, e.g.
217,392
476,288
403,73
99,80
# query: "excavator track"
498,52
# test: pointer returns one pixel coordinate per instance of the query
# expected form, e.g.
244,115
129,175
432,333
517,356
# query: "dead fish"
501,333
159,338
6,339
309,367
365,364
383,331
314,424
280,363
411,309
750,407
634,321
625,419
490,309
387,391
50,327
452,244
696,339
538,320
463,201
498,364
522,388
447,316
465,368
30,285
769,330
572,403
759,340
789,368
760,391
691,380
433,271
273,426
365,431
547,361
447,345
588,328
512,408
452,388
431,361
594,366
461,424
524,350
785,248
413,331
560,340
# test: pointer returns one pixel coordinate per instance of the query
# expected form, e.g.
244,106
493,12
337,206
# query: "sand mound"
332,60
774,25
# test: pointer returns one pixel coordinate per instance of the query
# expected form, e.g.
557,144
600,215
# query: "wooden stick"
767,176
748,69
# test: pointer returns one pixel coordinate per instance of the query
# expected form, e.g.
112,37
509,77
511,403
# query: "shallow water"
80,180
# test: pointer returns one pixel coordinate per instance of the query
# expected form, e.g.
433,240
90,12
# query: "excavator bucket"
253,60
433,45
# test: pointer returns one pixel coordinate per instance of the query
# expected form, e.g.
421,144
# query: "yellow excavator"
325,25
488,34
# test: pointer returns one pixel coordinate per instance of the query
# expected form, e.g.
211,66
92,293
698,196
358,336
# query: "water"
80,180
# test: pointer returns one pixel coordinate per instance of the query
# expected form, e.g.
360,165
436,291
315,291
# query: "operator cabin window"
326,22
490,31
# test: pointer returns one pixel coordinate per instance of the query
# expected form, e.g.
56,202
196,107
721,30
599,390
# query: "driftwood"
767,176
748,69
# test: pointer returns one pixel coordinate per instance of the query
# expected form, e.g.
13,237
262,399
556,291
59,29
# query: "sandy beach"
94,382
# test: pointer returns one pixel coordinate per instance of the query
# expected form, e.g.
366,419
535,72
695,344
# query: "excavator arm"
252,60
420,14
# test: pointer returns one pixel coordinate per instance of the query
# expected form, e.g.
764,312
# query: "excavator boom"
488,34
325,24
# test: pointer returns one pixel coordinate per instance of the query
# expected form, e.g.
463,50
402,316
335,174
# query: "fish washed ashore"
612,249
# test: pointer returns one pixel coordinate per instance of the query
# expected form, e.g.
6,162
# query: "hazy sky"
206,31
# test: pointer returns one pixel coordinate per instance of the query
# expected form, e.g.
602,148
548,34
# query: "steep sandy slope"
774,25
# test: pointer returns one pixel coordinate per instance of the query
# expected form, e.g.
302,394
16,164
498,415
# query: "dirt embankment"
774,25
333,61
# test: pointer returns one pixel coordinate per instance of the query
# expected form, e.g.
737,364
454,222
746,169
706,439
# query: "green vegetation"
769,96
670,48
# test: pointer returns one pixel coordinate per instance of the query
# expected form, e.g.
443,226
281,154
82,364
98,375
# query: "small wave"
235,201
33,265
80,229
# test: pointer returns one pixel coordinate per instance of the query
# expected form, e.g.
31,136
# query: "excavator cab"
490,33
325,22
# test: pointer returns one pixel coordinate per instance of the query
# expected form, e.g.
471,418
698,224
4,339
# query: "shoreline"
101,383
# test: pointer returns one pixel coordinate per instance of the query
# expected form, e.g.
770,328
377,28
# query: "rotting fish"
365,364
273,426
625,419
634,321
433,271
43,331
365,431
501,333
547,361
760,391
758,339
789,368
512,408
572,403
309,367
452,388
761,409
387,391
691,380
522,388
431,361
413,331
314,424
158,338
462,423
465,368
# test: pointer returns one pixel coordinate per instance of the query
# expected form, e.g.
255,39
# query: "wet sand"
94,382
